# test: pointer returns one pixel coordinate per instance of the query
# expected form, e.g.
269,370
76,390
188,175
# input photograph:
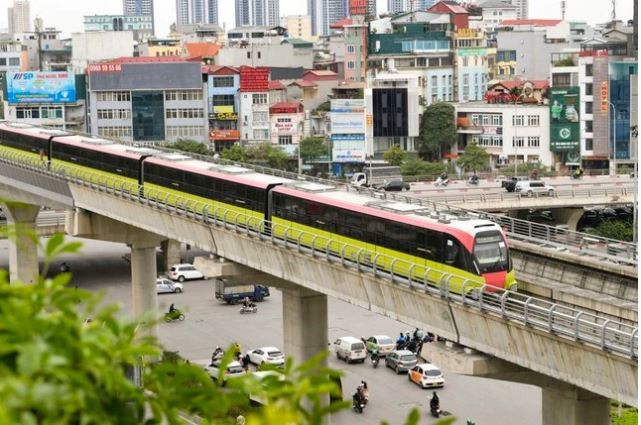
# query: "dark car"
401,360
510,184
395,186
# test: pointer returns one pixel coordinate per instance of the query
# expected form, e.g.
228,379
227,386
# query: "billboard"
41,87
564,119
254,79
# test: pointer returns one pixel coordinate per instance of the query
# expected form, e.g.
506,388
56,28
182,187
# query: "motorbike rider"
374,354
435,404
172,308
363,391
400,341
218,352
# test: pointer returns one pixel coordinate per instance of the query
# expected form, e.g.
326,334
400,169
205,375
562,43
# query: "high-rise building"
396,6
298,26
326,12
19,17
257,12
196,12
139,8
522,13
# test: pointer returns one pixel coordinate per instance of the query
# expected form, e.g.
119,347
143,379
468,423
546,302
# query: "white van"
350,349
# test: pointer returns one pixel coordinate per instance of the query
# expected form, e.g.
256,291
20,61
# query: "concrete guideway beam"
596,370
23,248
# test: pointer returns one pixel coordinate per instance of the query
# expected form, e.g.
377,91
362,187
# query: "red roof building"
458,14
319,75
533,22
276,85
204,50
286,108
340,24
220,70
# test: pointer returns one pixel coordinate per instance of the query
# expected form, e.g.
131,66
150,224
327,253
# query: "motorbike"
64,268
473,180
440,182
435,411
375,361
248,309
174,315
358,403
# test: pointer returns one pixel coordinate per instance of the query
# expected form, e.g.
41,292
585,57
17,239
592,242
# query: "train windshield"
490,252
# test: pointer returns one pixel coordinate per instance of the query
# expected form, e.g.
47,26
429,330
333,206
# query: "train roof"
32,130
464,227
231,173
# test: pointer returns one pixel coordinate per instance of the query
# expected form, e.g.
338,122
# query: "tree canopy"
438,131
313,148
192,146
235,153
474,158
394,155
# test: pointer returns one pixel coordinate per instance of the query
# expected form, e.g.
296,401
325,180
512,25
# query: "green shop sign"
565,134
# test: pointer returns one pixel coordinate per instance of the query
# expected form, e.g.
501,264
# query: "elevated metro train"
475,251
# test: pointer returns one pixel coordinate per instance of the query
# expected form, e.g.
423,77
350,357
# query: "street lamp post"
613,166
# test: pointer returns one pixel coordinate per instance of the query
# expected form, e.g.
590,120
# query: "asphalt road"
210,323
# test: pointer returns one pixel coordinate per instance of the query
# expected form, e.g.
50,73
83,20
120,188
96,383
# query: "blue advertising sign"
41,87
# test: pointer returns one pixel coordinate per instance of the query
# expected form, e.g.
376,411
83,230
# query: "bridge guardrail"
584,327
582,193
584,244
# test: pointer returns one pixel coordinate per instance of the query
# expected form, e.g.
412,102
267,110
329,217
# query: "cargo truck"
233,292
376,176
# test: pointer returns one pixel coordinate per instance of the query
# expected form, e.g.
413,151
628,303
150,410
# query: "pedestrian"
246,362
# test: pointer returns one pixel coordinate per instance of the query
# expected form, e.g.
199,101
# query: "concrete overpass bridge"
580,360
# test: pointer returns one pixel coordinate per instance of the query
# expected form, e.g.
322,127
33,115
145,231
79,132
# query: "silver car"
401,360
166,286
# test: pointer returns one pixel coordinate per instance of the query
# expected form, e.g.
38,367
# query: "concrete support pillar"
574,406
143,282
304,323
23,248
569,216
170,253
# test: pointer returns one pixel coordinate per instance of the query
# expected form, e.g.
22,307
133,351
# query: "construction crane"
563,10
614,10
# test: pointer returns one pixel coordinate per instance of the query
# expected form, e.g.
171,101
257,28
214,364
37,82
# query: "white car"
426,375
383,343
166,286
531,188
234,369
183,272
269,355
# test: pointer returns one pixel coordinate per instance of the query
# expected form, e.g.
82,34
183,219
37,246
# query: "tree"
277,158
474,158
437,132
418,167
235,153
313,147
192,146
615,229
394,155
59,367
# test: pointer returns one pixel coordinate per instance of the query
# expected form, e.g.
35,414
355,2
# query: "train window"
453,253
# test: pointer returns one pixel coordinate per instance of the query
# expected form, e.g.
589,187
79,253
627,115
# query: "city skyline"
68,16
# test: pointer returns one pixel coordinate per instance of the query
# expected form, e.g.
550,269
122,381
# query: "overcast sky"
67,15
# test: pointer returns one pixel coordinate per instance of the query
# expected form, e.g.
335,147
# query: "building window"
222,100
114,96
186,131
517,120
184,113
114,131
518,142
223,81
284,140
27,113
588,126
259,117
350,48
533,141
258,55
589,145
533,120
14,61
588,70
588,107
113,114
588,89
260,135
562,80
184,95
350,65
259,98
